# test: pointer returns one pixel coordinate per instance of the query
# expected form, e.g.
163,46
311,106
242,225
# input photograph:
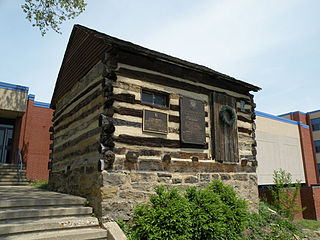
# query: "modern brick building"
287,142
312,119
24,126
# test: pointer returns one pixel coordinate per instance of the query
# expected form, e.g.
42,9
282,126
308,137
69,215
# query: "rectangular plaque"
155,122
192,117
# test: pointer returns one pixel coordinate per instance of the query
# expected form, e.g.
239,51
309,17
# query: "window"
317,146
155,98
315,123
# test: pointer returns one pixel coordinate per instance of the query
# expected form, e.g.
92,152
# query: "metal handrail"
19,164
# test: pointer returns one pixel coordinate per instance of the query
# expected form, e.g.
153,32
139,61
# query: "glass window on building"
315,123
155,98
317,146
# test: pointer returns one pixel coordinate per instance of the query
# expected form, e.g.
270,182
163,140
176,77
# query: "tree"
47,14
285,194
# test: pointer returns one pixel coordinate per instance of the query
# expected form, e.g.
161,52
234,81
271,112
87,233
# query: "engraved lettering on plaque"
192,116
155,122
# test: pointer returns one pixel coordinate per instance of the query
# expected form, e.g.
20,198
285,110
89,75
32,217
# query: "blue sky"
274,44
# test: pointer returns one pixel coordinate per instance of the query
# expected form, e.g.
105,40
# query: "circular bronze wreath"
226,110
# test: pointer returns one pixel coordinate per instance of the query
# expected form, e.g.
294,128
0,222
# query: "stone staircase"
28,213
9,176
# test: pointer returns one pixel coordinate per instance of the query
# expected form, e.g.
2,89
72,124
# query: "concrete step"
9,166
7,170
31,212
12,174
12,179
70,234
13,183
13,203
20,226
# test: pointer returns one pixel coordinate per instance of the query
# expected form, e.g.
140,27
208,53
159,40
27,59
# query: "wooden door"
225,141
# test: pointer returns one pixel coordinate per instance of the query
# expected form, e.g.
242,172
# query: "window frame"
155,92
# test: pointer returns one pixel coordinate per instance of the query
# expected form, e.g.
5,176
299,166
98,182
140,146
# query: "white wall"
278,146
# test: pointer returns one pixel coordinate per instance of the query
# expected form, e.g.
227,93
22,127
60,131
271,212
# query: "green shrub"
285,194
168,217
217,212
213,212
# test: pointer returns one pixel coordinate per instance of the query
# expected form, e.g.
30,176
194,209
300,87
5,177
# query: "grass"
266,225
40,184
308,224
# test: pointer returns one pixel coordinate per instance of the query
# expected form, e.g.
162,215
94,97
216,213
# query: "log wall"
76,138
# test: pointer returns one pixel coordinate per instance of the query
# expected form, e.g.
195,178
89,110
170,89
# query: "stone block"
142,177
225,176
143,186
167,175
114,178
191,179
215,176
109,192
204,177
176,180
240,177
114,231
131,195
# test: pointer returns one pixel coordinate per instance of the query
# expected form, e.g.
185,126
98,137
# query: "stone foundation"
123,189
84,181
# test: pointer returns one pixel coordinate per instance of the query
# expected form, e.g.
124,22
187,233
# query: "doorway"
6,142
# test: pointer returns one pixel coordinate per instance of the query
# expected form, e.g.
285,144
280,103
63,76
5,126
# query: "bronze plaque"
192,117
155,122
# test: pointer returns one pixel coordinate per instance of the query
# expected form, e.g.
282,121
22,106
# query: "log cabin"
127,119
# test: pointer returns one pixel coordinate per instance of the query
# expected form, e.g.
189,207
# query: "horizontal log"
77,108
153,78
71,131
83,93
82,116
213,79
155,142
75,141
247,111
79,152
120,122
243,119
150,152
244,130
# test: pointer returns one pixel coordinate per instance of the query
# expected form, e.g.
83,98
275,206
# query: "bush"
285,194
168,217
213,212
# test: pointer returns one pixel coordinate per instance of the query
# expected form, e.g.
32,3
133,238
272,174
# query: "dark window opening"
315,123
317,146
155,98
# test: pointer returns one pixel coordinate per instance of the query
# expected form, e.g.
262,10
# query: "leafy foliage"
47,14
217,212
213,212
285,194
168,217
